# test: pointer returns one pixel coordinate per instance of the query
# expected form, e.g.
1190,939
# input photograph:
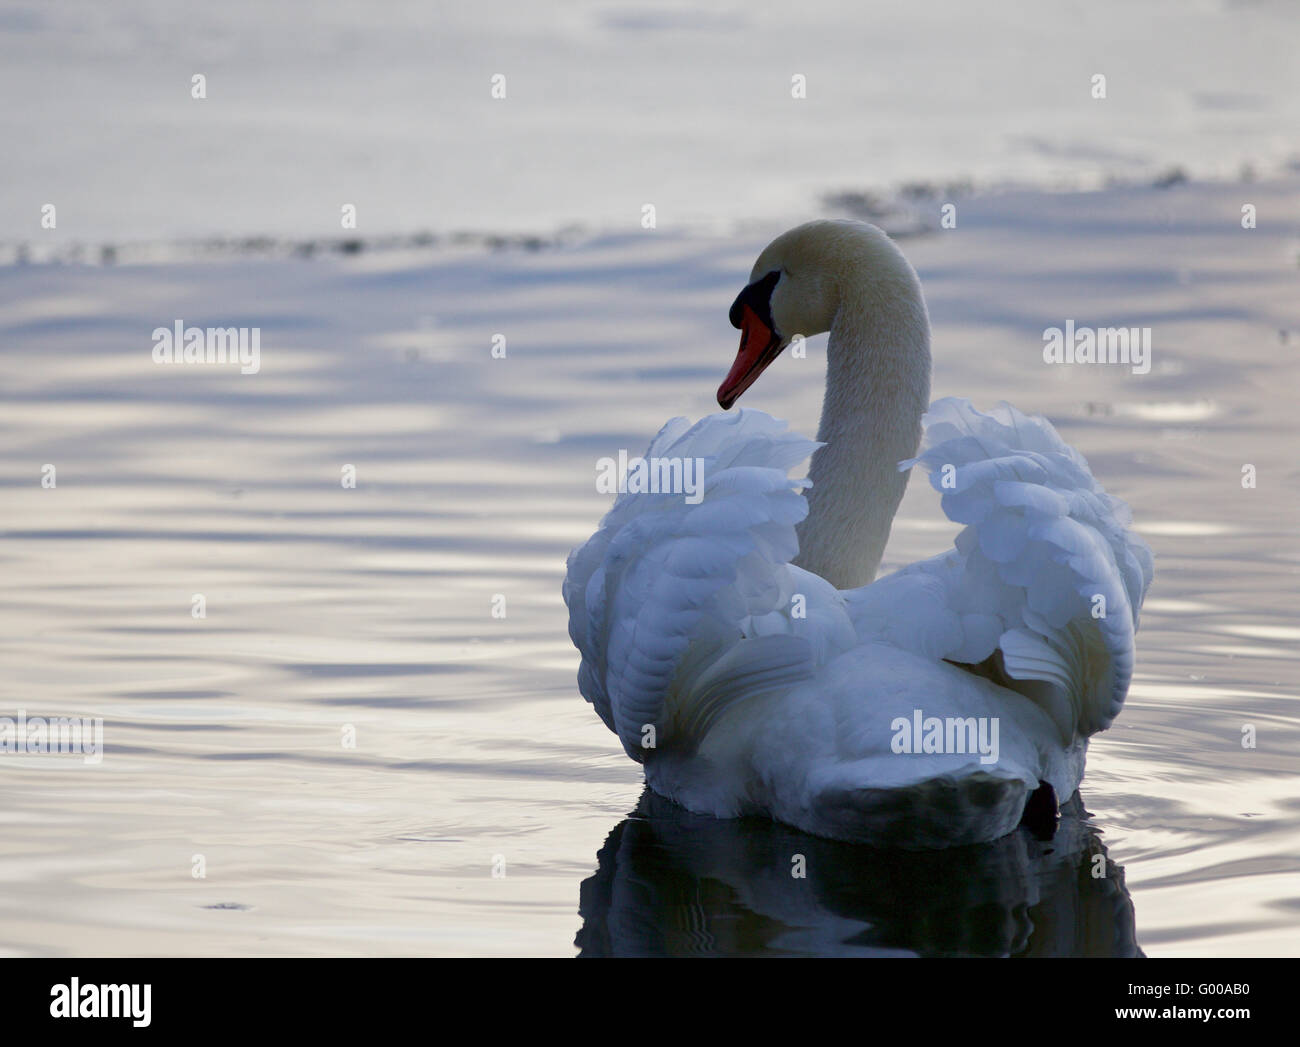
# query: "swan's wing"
680,609
1044,584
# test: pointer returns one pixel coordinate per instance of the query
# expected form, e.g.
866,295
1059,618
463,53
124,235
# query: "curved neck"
877,388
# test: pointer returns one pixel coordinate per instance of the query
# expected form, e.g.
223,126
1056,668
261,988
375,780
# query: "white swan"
751,680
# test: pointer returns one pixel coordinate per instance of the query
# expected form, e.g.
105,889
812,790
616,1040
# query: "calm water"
334,613
608,104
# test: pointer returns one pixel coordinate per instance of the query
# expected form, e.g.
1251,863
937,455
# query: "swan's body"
739,646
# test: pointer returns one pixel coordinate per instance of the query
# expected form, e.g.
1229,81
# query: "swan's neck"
877,388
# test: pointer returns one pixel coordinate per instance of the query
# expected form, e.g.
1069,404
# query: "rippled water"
608,104
370,610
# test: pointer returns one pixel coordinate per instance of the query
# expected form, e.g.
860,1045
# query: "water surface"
334,613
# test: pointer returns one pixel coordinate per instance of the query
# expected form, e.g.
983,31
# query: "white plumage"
748,685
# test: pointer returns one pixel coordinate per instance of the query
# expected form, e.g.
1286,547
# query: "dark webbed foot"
1042,812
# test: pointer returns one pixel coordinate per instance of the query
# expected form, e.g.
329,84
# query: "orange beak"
759,346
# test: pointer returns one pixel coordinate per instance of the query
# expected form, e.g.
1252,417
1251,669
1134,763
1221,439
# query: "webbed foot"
1042,812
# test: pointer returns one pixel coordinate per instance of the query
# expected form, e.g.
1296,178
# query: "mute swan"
739,647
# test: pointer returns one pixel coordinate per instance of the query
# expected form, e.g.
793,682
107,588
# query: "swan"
740,646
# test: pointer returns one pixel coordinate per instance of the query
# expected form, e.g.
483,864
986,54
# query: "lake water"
608,105
483,809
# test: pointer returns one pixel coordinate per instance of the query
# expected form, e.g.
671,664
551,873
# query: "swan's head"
796,287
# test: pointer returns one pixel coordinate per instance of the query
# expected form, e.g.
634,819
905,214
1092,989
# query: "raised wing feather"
1043,587
671,604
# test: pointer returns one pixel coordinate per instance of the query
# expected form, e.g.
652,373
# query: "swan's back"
747,685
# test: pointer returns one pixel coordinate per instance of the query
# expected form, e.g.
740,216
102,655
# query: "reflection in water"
672,883
370,606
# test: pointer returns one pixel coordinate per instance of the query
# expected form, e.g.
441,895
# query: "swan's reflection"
672,883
